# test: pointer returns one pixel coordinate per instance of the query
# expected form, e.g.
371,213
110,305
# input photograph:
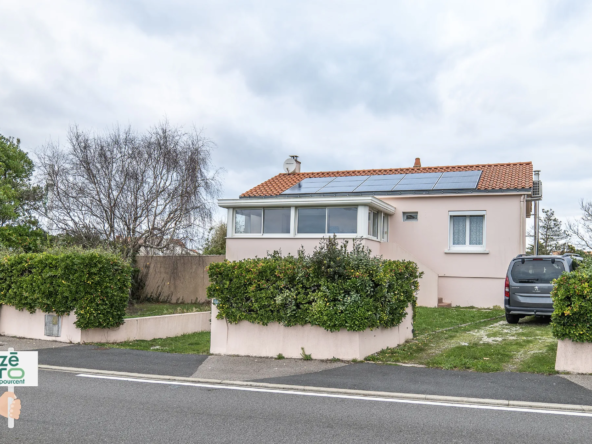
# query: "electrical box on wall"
53,325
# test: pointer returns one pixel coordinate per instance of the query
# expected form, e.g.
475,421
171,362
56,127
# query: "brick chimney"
417,163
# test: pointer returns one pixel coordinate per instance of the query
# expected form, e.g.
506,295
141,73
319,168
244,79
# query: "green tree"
552,236
18,198
216,241
24,238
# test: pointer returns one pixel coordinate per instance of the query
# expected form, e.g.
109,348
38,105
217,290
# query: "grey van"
528,284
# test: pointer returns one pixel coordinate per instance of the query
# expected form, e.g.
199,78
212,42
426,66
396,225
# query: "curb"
392,395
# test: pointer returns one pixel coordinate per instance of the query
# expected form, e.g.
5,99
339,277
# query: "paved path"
393,378
567,389
238,368
23,344
67,408
121,360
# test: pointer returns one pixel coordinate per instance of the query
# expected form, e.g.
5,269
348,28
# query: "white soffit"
370,201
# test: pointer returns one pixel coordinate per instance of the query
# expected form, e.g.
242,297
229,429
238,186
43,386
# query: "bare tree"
581,230
130,190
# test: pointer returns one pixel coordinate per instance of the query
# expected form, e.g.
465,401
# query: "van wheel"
512,319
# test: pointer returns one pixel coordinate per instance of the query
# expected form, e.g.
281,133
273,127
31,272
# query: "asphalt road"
432,381
67,408
387,378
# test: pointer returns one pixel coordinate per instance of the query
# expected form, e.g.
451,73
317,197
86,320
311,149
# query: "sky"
343,84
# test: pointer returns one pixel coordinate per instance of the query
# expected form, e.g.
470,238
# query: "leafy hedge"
572,302
333,288
93,284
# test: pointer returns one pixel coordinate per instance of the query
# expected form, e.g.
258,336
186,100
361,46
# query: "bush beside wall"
93,284
333,288
572,302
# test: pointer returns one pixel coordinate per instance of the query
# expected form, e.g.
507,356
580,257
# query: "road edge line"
369,393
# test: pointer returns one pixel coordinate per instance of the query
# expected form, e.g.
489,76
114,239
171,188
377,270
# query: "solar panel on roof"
317,179
386,177
414,187
422,175
455,180
458,180
343,189
461,174
385,186
418,182
351,178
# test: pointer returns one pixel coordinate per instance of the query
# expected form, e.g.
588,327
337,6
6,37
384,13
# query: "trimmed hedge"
572,302
93,284
333,288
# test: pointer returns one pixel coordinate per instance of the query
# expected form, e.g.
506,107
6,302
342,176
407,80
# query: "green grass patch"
487,346
192,343
477,357
541,361
144,309
428,319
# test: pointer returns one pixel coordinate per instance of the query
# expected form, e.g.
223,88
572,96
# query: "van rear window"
539,272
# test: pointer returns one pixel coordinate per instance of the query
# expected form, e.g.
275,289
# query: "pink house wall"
464,279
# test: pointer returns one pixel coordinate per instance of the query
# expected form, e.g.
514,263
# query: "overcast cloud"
343,84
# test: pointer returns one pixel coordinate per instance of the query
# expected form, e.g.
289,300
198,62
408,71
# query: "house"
461,224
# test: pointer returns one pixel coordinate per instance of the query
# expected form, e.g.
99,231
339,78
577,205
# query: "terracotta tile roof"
495,176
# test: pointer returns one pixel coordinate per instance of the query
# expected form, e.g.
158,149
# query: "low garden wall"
571,320
23,324
151,327
248,339
337,302
574,357
32,325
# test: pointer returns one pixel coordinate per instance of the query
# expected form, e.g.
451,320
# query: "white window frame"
325,234
363,204
384,222
261,234
405,213
467,248
382,217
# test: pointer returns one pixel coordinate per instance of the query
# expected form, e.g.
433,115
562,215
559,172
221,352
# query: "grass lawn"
488,346
192,343
428,319
143,309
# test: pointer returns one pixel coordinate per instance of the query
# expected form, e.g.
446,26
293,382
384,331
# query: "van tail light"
507,290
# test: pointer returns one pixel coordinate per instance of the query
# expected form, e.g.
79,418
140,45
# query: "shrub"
333,288
93,284
572,302
23,238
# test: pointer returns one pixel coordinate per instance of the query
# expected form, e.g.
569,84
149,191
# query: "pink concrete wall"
574,357
427,296
242,248
26,325
247,339
150,327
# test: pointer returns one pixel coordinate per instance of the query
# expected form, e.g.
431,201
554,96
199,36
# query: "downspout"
536,219
522,246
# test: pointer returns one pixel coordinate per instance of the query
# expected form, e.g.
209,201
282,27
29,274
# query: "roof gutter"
258,202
